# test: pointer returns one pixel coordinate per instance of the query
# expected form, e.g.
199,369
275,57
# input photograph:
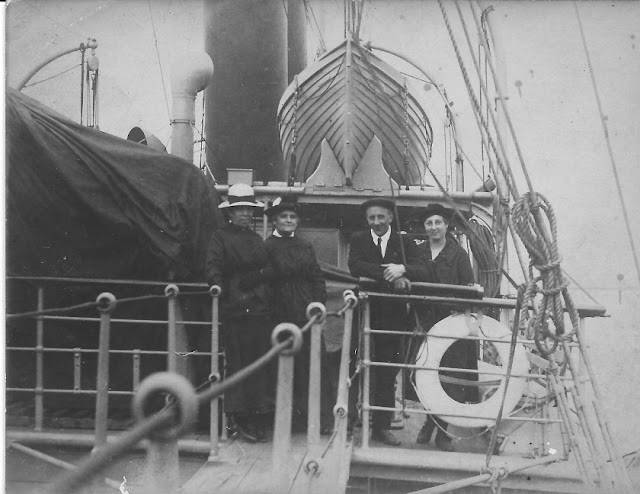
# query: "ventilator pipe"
191,73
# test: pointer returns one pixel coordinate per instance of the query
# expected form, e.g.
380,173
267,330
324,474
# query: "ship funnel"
190,74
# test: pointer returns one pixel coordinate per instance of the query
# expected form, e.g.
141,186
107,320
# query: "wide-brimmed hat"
241,195
283,203
435,209
377,201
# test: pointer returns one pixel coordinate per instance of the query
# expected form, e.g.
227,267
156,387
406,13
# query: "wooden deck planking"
246,468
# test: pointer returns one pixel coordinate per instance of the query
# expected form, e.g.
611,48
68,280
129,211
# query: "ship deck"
246,468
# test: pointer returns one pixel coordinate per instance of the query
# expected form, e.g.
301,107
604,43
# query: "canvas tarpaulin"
83,203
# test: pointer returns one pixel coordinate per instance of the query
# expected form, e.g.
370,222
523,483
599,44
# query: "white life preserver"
429,388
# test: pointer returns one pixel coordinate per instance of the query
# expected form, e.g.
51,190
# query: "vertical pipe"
162,467
282,428
77,369
39,411
214,377
171,291
313,410
191,73
135,378
265,222
106,304
367,374
342,402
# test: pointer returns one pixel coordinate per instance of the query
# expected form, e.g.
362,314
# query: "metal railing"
106,303
164,427
566,390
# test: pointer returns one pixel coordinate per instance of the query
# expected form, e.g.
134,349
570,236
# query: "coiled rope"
544,258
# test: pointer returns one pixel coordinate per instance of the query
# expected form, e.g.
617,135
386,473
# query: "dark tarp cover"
83,203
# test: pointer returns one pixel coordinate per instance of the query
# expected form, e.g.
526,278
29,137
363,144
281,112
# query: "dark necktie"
380,247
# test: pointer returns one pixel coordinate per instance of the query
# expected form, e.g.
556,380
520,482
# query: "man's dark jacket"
365,261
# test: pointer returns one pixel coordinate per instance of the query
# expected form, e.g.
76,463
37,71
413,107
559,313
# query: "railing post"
106,305
162,470
214,376
366,362
341,409
284,392
39,404
171,291
315,378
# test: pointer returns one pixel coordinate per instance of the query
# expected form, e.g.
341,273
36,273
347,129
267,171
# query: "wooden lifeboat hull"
348,97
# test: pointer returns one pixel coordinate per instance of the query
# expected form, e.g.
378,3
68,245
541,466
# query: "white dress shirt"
385,240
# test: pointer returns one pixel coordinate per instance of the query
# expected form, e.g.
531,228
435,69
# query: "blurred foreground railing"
163,427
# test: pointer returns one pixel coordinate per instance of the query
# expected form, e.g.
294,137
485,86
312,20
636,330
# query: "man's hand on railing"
402,285
394,272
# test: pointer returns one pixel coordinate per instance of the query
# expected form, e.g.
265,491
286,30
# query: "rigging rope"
605,130
503,165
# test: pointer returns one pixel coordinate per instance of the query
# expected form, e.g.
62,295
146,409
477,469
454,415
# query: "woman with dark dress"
451,266
238,262
297,281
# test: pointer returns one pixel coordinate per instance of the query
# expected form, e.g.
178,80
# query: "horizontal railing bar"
95,350
444,337
368,363
53,280
68,391
499,303
136,321
450,414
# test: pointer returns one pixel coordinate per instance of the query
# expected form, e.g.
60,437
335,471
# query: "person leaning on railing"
451,265
377,253
237,261
297,281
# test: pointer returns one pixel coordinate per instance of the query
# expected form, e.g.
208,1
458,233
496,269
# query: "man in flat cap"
377,253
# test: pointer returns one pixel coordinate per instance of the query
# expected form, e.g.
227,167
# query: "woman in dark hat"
297,282
237,261
451,266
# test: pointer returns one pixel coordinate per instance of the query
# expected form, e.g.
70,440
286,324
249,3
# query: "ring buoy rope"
429,388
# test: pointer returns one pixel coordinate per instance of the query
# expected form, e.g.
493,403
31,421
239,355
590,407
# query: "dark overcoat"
452,266
235,260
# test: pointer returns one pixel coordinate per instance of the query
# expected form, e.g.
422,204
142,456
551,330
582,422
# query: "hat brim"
227,204
378,201
274,210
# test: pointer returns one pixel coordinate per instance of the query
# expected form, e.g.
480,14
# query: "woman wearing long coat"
297,281
238,262
451,265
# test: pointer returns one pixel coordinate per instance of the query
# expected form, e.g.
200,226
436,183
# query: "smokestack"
190,74
247,40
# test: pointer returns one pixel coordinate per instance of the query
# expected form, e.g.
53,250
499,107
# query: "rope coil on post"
106,303
292,333
171,290
184,399
317,310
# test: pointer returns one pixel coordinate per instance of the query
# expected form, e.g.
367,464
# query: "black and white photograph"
321,246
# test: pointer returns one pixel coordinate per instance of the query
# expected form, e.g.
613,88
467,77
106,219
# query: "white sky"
553,110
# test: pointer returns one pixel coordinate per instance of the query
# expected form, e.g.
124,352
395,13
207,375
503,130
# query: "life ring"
429,388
